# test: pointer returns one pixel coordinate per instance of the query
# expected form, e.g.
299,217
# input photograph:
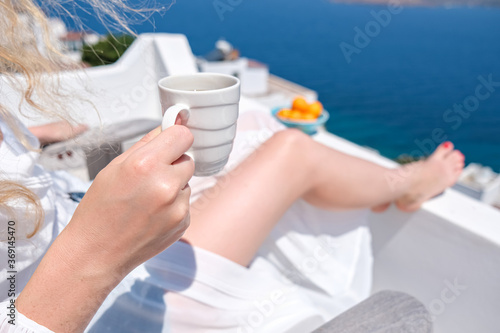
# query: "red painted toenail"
447,144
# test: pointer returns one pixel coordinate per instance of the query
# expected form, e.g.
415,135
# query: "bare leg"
246,204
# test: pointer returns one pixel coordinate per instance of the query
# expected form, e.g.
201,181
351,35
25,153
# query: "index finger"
144,140
169,145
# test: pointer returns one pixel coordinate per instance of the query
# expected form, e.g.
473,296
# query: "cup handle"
171,113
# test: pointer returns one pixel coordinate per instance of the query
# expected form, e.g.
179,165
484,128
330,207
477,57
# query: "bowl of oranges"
302,115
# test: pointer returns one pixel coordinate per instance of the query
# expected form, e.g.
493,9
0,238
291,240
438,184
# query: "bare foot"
431,177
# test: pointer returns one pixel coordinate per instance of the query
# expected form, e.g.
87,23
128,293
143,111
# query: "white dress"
314,265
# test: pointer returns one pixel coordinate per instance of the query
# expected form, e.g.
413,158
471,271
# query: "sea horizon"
399,92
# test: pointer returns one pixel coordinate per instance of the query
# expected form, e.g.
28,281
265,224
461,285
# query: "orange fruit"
308,117
284,113
315,109
296,115
300,104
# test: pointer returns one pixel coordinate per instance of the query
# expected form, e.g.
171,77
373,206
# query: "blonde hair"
29,62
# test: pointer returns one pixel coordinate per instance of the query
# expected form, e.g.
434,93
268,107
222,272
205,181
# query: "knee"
293,147
292,140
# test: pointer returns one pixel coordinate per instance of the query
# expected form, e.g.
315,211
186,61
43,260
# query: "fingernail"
447,144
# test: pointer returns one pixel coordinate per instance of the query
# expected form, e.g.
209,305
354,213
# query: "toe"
444,149
381,208
456,157
407,208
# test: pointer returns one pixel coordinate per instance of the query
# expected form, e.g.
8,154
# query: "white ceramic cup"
208,105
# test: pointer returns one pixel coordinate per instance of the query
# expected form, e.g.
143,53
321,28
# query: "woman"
210,281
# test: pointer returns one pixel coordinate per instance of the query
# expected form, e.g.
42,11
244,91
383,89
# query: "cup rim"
189,92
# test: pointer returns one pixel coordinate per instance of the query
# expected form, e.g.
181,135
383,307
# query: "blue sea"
420,76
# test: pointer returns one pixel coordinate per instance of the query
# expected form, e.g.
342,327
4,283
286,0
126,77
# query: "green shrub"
107,50
405,159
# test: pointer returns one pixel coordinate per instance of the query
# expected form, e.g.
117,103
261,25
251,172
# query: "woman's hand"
137,206
57,131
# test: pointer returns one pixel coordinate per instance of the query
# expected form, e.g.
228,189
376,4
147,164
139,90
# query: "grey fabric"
99,157
96,147
384,312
